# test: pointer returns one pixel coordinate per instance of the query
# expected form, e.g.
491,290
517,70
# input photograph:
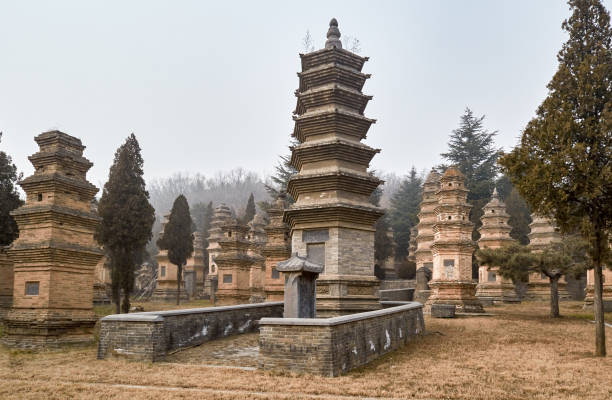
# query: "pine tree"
562,165
404,210
178,239
284,172
472,149
250,210
127,219
9,198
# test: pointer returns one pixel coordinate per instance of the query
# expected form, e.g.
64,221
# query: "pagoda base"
275,294
607,298
225,297
422,295
461,294
168,295
540,291
210,286
496,293
36,328
346,294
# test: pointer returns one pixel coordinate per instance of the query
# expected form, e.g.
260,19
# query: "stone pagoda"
543,233
257,238
55,255
234,265
332,220
167,285
193,272
412,245
425,236
494,234
453,247
277,248
221,216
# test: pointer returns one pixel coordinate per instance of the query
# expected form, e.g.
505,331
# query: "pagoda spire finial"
495,195
333,35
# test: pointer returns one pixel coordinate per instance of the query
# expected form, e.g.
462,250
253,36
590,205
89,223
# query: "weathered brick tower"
542,234
193,272
332,220
55,255
6,282
453,246
277,248
221,216
425,235
494,234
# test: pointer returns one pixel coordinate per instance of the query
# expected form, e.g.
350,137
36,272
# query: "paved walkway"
234,351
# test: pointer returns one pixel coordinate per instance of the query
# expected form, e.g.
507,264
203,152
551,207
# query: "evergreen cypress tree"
127,219
178,239
250,210
404,210
383,246
284,172
472,149
9,198
562,165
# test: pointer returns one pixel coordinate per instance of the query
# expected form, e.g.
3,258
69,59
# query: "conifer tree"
404,210
127,219
562,165
517,208
250,210
178,239
383,246
9,198
280,179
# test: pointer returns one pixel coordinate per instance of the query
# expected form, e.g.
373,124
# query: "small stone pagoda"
257,237
221,216
453,247
332,220
102,282
277,248
494,234
542,234
55,255
425,235
193,272
167,285
234,265
412,245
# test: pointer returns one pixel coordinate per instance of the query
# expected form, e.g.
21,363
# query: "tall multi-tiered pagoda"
543,233
332,220
453,246
221,216
193,272
425,236
494,234
55,255
277,248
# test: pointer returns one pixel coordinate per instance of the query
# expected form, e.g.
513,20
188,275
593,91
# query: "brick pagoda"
425,236
494,234
55,255
332,220
194,268
542,234
6,282
166,288
453,247
221,216
257,237
277,248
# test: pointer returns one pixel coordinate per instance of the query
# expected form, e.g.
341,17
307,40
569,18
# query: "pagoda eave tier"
452,244
336,180
57,182
60,157
332,73
332,121
51,213
333,214
56,252
334,55
335,149
331,95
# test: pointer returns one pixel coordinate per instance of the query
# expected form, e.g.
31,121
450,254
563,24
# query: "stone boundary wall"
152,335
332,346
397,294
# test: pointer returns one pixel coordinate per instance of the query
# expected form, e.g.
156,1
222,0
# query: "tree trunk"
598,310
178,285
125,305
116,287
554,297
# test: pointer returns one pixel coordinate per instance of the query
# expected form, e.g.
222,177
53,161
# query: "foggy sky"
209,86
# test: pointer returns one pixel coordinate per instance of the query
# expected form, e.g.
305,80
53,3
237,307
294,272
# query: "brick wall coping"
396,290
152,316
394,303
342,319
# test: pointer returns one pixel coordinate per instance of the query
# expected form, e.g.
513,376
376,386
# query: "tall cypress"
127,219
178,239
250,209
9,198
404,210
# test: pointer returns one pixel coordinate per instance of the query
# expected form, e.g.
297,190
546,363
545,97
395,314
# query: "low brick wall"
332,346
152,335
397,294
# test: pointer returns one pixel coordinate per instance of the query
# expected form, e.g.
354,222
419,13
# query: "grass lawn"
520,353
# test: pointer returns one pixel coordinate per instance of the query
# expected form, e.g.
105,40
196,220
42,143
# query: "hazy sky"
209,86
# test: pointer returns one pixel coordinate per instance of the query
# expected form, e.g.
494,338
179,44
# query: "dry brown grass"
518,354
